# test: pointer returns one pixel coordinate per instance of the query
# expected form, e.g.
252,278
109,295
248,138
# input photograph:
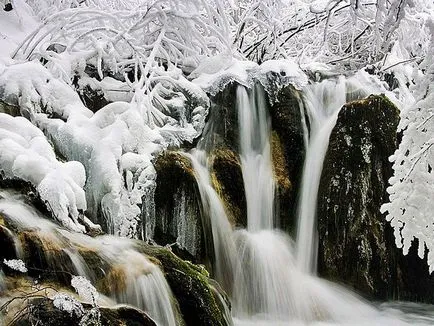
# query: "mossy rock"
227,178
352,189
178,207
98,268
288,153
191,286
357,246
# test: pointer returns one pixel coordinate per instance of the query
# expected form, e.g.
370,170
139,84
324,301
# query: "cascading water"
223,245
262,286
268,276
255,155
322,103
142,284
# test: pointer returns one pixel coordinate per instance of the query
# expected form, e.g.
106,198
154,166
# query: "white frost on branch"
410,210
116,145
16,264
65,302
85,289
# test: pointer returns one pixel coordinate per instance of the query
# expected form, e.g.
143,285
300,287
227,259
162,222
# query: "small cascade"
141,284
213,210
262,286
255,155
322,103
145,287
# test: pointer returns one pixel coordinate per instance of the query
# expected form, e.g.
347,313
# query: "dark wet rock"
287,139
45,313
227,179
352,189
12,110
93,99
7,244
200,302
357,246
178,207
223,120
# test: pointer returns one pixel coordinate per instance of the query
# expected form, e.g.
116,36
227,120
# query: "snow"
16,264
36,90
65,302
287,71
26,154
233,71
271,74
84,289
15,26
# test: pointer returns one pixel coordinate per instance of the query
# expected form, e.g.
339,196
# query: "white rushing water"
322,103
213,210
255,155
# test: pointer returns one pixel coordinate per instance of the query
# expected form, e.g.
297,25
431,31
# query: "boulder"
227,179
223,119
356,243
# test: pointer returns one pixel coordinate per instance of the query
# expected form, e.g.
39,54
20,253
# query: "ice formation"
26,154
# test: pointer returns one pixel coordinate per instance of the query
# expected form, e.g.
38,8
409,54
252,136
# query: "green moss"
191,287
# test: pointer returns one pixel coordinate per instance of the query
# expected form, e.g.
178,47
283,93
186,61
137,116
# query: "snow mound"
26,154
34,89
272,74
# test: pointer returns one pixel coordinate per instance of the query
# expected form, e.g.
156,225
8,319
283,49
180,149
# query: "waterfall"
255,155
268,275
322,103
214,212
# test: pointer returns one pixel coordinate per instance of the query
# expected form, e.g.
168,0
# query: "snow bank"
272,74
116,145
26,154
34,89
